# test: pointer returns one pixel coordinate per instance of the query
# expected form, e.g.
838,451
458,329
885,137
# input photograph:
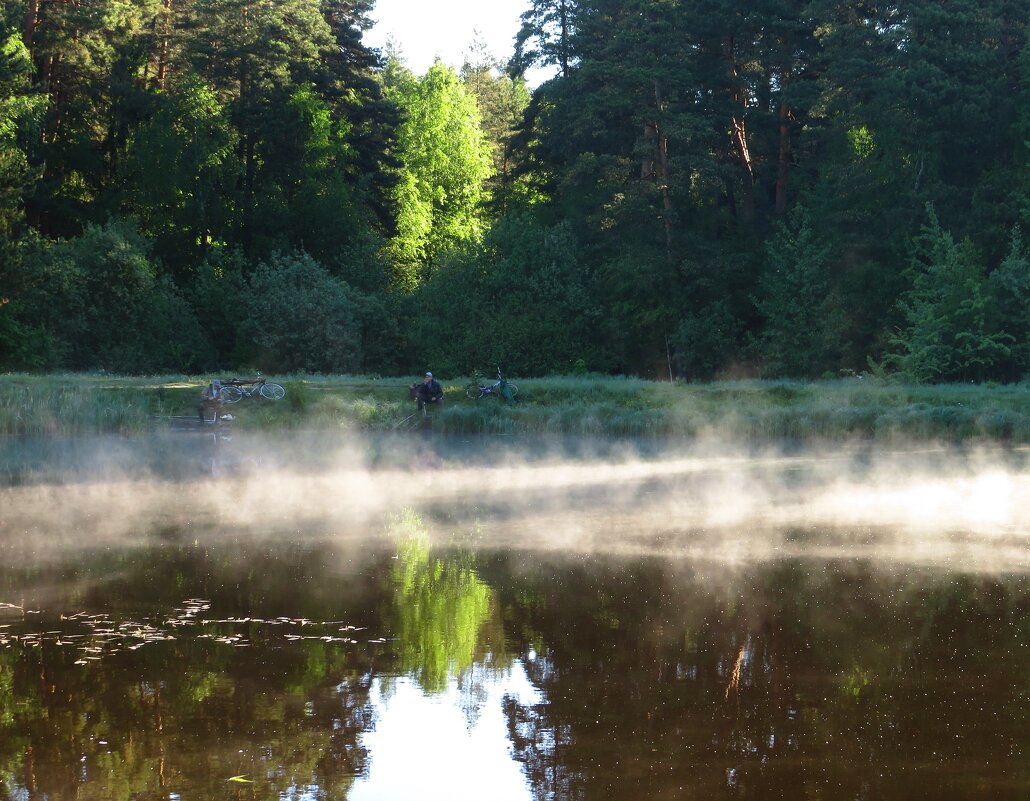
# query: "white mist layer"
964,511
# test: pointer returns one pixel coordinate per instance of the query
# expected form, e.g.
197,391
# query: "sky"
425,29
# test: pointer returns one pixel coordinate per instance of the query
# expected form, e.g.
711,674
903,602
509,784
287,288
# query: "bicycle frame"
260,387
477,390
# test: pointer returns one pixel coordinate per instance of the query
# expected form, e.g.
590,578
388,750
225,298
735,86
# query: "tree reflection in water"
786,681
441,609
176,715
603,678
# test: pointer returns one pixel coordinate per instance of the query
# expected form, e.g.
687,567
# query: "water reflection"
430,747
442,611
542,630
318,671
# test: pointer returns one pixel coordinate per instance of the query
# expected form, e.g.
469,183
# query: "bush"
217,295
523,301
97,301
301,318
706,341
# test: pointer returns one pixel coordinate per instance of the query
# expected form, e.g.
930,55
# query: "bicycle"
500,389
235,389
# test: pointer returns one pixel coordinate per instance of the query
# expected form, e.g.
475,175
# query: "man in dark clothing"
429,391
211,400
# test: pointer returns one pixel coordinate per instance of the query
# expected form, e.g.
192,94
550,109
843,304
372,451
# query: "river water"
446,619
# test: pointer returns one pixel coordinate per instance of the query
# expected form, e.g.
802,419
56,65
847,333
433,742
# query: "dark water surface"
390,662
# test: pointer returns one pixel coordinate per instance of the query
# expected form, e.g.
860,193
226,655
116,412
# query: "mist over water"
317,617
964,509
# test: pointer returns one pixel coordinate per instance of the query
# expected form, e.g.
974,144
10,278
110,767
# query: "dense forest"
703,189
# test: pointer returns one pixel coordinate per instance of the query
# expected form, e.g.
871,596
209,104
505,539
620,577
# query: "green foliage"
441,606
300,317
948,333
1009,287
20,114
21,346
382,342
664,165
798,339
707,341
180,169
217,293
523,301
99,301
306,192
546,35
502,101
445,160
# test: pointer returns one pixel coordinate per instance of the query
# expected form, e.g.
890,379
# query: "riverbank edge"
743,411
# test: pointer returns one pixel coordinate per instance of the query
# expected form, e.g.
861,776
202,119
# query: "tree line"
703,189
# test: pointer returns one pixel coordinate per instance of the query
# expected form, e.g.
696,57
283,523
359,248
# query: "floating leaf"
241,779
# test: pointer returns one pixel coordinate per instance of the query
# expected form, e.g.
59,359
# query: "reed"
63,405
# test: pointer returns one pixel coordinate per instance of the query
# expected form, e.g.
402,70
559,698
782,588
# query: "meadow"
748,411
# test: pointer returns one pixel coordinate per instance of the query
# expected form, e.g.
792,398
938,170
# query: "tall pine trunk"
563,16
31,20
783,160
748,180
162,56
740,138
656,166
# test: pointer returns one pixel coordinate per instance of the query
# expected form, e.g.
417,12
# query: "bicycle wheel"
473,392
272,391
231,394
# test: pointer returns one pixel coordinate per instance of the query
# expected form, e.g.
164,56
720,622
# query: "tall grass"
746,411
63,405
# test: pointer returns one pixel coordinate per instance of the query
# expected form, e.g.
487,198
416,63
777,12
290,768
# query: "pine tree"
948,312
799,338
502,102
546,37
20,116
1009,286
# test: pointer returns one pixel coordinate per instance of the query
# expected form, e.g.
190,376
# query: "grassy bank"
748,411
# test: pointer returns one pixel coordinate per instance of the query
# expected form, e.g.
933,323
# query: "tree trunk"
740,137
783,161
250,167
563,15
52,85
31,20
654,167
162,56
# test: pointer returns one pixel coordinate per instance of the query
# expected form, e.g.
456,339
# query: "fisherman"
429,391
211,402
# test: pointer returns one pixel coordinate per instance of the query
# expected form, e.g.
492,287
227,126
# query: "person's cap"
429,375
217,382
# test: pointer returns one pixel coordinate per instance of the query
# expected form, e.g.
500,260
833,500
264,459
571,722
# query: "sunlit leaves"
445,160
